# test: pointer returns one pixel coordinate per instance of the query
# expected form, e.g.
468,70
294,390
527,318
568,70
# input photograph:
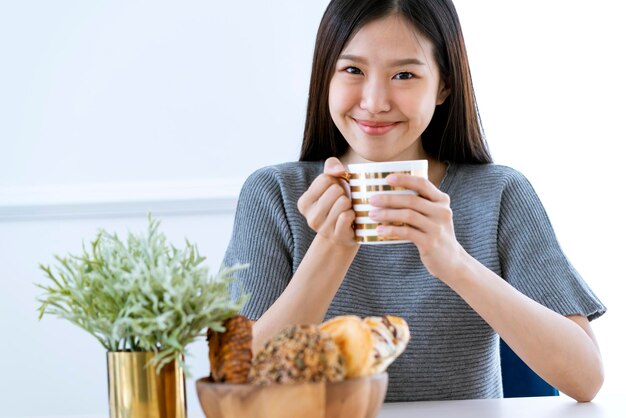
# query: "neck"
436,168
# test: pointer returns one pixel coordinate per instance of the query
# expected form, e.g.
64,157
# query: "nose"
375,97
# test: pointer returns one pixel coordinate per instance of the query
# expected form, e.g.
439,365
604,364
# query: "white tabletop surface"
604,406
613,406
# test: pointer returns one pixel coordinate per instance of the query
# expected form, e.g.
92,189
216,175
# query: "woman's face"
384,91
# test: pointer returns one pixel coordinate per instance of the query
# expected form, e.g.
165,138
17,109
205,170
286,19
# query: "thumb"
334,167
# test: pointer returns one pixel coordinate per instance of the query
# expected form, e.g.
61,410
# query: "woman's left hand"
427,220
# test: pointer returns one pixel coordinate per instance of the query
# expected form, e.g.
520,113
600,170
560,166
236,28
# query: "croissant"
355,340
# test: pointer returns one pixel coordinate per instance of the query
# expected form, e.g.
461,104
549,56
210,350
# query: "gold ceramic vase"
136,390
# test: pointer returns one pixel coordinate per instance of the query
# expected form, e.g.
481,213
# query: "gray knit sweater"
453,353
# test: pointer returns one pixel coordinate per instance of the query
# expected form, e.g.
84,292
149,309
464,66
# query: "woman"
391,81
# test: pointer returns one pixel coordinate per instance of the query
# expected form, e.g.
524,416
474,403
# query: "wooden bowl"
355,398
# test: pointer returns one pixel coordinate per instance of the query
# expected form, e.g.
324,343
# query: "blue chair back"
518,380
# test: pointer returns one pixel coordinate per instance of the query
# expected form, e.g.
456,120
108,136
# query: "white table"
611,406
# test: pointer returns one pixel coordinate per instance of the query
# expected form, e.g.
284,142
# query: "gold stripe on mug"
375,175
362,213
360,201
374,238
365,226
375,188
375,225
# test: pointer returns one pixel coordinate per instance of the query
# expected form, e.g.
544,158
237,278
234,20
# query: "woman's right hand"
326,205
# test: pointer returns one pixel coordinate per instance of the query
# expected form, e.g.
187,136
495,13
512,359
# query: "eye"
405,75
353,70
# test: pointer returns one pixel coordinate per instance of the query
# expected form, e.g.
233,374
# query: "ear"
443,92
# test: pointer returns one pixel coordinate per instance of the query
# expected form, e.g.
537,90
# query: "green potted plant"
144,300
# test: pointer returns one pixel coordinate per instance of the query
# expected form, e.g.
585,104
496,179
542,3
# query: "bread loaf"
230,352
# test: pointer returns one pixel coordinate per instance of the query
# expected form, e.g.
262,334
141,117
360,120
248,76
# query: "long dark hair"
454,134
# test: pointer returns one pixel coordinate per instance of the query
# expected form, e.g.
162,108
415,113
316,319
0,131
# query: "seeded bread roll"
301,353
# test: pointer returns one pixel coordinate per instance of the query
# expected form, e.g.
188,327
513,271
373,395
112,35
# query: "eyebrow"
397,63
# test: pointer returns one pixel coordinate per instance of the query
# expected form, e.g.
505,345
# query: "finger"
344,222
421,185
315,191
402,233
321,209
403,217
333,167
400,201
341,205
399,208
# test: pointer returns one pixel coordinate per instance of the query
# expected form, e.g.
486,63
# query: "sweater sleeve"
531,258
261,238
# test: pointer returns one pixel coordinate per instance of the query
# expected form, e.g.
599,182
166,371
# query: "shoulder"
288,180
299,169
490,171
495,177
291,172
490,187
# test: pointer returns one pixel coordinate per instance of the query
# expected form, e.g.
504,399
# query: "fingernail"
392,178
374,200
382,230
373,213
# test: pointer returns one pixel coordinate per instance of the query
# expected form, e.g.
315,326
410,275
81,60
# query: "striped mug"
368,179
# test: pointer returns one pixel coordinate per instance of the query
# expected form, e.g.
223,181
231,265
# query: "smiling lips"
375,128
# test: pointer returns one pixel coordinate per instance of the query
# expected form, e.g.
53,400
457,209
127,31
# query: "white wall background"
109,109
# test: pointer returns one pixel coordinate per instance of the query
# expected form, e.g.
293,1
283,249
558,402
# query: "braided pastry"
391,336
368,345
